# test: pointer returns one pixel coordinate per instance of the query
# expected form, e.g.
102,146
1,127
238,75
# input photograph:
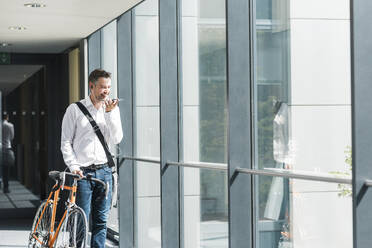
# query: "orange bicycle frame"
53,237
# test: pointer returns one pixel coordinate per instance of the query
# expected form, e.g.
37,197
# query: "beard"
101,97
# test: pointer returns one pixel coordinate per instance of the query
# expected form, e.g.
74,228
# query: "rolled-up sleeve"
114,128
67,136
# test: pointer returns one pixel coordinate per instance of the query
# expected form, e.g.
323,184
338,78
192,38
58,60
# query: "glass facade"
204,122
146,123
299,111
302,123
297,212
109,54
109,63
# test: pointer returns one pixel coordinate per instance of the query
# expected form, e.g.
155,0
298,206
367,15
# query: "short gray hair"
96,74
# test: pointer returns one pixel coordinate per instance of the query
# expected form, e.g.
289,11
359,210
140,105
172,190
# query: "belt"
94,167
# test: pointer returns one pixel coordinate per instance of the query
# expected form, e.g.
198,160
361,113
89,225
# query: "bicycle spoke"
39,235
74,230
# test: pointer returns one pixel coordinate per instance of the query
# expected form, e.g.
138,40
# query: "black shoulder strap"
98,132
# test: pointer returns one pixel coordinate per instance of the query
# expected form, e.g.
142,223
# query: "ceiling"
58,26
13,75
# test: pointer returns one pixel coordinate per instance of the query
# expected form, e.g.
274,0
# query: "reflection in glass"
301,122
301,205
146,124
204,122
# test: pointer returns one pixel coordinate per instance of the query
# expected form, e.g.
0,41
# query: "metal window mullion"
169,139
101,54
83,64
239,131
135,126
180,126
361,64
94,51
125,86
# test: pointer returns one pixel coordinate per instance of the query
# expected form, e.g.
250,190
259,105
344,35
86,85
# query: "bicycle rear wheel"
39,235
74,230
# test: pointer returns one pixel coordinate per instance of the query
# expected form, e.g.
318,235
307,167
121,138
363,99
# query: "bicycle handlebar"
59,175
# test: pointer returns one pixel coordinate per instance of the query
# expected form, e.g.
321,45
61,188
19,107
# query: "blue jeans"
88,198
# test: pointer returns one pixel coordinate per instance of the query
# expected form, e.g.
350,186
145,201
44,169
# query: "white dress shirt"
8,134
80,145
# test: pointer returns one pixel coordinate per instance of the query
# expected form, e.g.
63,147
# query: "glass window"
204,123
108,63
300,213
302,122
109,54
147,124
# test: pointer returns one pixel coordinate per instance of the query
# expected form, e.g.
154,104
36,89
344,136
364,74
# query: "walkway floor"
16,215
14,233
20,203
19,197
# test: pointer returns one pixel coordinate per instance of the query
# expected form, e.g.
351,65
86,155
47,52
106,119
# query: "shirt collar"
88,101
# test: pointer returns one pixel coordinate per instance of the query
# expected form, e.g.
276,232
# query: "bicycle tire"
74,230
42,230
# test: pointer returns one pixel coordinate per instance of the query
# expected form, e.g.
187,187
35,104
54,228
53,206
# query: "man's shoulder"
7,124
83,101
74,105
74,110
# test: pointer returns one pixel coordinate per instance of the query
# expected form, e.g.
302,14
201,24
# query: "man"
84,154
8,155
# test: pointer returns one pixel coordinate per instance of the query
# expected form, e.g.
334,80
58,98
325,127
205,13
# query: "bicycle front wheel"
39,235
73,231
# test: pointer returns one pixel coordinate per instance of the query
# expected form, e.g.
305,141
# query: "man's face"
101,89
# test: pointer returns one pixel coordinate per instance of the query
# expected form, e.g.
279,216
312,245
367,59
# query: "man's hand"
79,172
111,104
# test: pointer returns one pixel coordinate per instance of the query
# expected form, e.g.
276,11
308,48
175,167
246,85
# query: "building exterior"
296,93
246,122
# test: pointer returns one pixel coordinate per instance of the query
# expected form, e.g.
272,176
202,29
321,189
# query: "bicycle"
72,229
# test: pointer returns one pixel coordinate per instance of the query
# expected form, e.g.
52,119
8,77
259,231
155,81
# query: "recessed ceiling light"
35,5
3,44
17,28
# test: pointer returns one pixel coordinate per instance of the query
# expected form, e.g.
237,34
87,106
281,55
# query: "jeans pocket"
108,178
107,169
